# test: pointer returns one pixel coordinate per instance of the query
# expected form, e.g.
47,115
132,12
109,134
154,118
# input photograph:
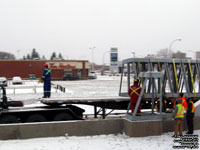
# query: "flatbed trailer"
114,103
15,112
106,102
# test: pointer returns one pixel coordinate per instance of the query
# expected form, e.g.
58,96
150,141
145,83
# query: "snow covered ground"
103,86
102,142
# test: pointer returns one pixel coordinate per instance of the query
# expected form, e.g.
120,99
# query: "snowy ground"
103,86
102,142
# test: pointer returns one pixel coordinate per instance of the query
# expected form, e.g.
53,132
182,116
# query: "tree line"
34,55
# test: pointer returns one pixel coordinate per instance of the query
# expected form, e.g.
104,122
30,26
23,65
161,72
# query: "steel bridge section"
179,76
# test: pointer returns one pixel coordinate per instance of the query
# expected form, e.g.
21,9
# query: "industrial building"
32,69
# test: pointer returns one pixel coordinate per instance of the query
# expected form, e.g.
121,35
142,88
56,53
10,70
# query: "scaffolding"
155,78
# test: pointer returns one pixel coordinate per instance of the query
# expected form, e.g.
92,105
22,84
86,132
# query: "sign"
114,60
61,66
67,65
113,55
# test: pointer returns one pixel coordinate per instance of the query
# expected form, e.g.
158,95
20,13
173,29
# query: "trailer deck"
106,102
102,102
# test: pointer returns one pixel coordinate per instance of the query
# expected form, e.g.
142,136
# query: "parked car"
17,80
3,81
92,75
69,77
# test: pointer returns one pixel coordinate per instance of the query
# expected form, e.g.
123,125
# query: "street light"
103,62
92,49
18,51
133,54
170,46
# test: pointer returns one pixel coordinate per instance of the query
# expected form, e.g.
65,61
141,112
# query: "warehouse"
32,69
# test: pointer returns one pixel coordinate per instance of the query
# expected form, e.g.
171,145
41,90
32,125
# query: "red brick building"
60,68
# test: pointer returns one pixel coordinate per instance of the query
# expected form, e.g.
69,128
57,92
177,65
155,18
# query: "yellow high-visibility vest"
180,112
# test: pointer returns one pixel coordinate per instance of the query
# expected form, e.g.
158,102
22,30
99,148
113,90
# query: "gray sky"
73,26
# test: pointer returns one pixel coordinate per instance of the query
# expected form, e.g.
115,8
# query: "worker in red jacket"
184,102
134,92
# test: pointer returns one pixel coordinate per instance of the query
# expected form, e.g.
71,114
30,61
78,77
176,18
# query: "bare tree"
6,56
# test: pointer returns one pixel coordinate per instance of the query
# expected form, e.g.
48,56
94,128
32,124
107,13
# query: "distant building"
179,54
60,68
197,54
150,56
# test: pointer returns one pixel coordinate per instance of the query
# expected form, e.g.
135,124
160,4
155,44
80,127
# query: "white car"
92,75
17,80
3,81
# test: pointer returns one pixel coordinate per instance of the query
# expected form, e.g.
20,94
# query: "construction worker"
134,92
46,78
184,102
190,116
157,105
178,116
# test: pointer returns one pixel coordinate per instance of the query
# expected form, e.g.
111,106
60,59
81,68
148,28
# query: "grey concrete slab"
90,127
9,132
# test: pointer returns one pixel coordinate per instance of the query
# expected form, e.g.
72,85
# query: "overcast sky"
73,26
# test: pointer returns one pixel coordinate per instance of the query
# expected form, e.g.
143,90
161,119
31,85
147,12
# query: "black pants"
190,124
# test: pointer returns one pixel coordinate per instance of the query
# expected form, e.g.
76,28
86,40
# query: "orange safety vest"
193,108
180,112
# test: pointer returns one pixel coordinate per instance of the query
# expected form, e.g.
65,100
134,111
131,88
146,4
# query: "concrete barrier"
89,128
53,129
142,128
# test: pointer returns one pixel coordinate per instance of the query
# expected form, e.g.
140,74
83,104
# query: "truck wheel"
36,118
9,119
62,117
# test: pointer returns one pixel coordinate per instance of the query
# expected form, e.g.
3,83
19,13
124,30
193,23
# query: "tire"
7,119
62,117
36,118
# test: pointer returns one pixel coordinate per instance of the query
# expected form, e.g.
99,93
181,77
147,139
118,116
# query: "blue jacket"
46,75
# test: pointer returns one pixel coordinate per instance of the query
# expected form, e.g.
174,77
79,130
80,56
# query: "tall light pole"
92,49
103,62
18,51
170,46
133,54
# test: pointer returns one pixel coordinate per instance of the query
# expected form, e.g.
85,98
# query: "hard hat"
45,65
135,80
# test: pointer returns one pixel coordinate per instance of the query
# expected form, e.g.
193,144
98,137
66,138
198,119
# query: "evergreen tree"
60,56
53,56
43,57
34,54
28,57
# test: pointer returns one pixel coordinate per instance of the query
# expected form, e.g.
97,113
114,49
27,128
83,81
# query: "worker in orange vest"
178,116
184,102
190,116
134,92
